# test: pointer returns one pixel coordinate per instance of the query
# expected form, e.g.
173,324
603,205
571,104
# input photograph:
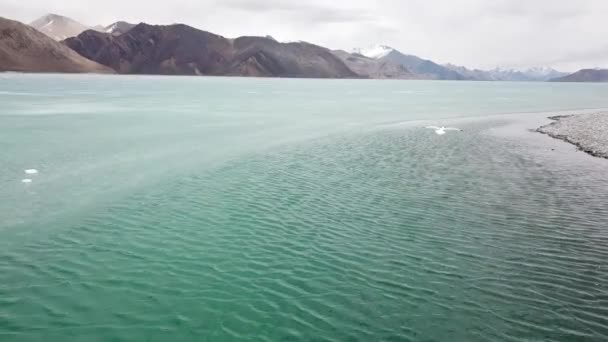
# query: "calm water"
219,209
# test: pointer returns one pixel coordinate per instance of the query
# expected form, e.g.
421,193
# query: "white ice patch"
48,24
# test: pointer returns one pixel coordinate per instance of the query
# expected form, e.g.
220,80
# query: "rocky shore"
589,132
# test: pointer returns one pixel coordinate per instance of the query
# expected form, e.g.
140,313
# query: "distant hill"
183,50
543,73
374,68
500,74
23,48
425,68
421,68
585,75
59,27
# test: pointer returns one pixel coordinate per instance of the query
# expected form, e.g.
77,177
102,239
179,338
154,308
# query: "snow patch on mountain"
111,28
375,52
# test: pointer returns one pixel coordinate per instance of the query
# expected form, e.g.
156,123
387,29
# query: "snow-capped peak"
375,52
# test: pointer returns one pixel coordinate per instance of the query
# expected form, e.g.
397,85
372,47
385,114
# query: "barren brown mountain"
23,48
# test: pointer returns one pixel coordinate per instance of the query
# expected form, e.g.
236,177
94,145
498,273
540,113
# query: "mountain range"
425,69
501,74
183,50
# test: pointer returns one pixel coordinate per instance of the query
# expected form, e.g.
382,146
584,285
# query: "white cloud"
475,33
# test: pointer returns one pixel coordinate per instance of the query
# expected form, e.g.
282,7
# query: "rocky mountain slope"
23,48
183,50
585,75
261,56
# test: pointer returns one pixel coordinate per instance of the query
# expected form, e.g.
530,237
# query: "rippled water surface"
223,209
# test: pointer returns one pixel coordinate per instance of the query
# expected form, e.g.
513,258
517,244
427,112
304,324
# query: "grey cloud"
310,11
592,57
556,10
269,5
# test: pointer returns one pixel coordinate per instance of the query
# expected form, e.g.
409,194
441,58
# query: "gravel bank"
587,131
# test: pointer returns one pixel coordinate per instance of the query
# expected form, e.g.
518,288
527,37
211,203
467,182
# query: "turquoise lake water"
231,209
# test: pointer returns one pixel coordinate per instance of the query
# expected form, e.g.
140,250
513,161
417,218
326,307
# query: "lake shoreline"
588,132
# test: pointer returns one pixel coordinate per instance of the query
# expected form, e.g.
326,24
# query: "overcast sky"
566,34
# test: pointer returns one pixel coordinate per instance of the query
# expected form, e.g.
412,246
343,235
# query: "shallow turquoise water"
226,209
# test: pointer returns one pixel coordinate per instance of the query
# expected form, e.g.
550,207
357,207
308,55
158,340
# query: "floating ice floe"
31,171
26,180
442,130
